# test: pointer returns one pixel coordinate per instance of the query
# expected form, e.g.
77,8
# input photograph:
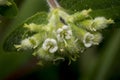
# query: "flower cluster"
65,35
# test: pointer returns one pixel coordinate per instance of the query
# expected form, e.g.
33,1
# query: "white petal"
69,32
68,36
59,38
53,42
44,46
65,27
53,50
90,37
59,30
88,44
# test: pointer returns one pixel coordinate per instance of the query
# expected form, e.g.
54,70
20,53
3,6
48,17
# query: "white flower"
50,45
92,39
65,27
64,33
88,39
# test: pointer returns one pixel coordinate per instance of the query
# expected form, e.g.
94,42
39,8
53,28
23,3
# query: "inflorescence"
65,35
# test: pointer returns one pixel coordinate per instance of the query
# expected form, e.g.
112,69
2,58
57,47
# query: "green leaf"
20,32
106,8
113,13
9,10
78,5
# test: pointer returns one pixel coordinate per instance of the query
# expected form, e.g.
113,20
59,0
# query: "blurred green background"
96,63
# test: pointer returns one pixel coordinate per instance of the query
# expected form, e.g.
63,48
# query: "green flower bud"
29,43
96,24
33,27
78,16
101,23
87,24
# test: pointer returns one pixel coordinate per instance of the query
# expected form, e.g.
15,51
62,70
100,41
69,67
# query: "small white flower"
59,30
65,27
50,45
64,33
88,39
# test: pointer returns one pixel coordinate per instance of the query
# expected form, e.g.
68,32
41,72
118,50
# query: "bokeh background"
96,63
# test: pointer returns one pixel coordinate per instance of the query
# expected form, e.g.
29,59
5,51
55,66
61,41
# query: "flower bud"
96,24
101,23
33,27
80,15
29,43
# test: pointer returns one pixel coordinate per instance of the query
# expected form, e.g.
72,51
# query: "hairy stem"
53,4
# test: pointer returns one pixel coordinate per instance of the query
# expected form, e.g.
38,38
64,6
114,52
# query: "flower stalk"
53,4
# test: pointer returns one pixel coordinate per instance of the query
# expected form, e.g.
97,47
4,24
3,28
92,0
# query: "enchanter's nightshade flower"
88,39
64,33
50,45
92,39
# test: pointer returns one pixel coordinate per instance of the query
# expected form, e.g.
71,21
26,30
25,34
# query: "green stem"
53,4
